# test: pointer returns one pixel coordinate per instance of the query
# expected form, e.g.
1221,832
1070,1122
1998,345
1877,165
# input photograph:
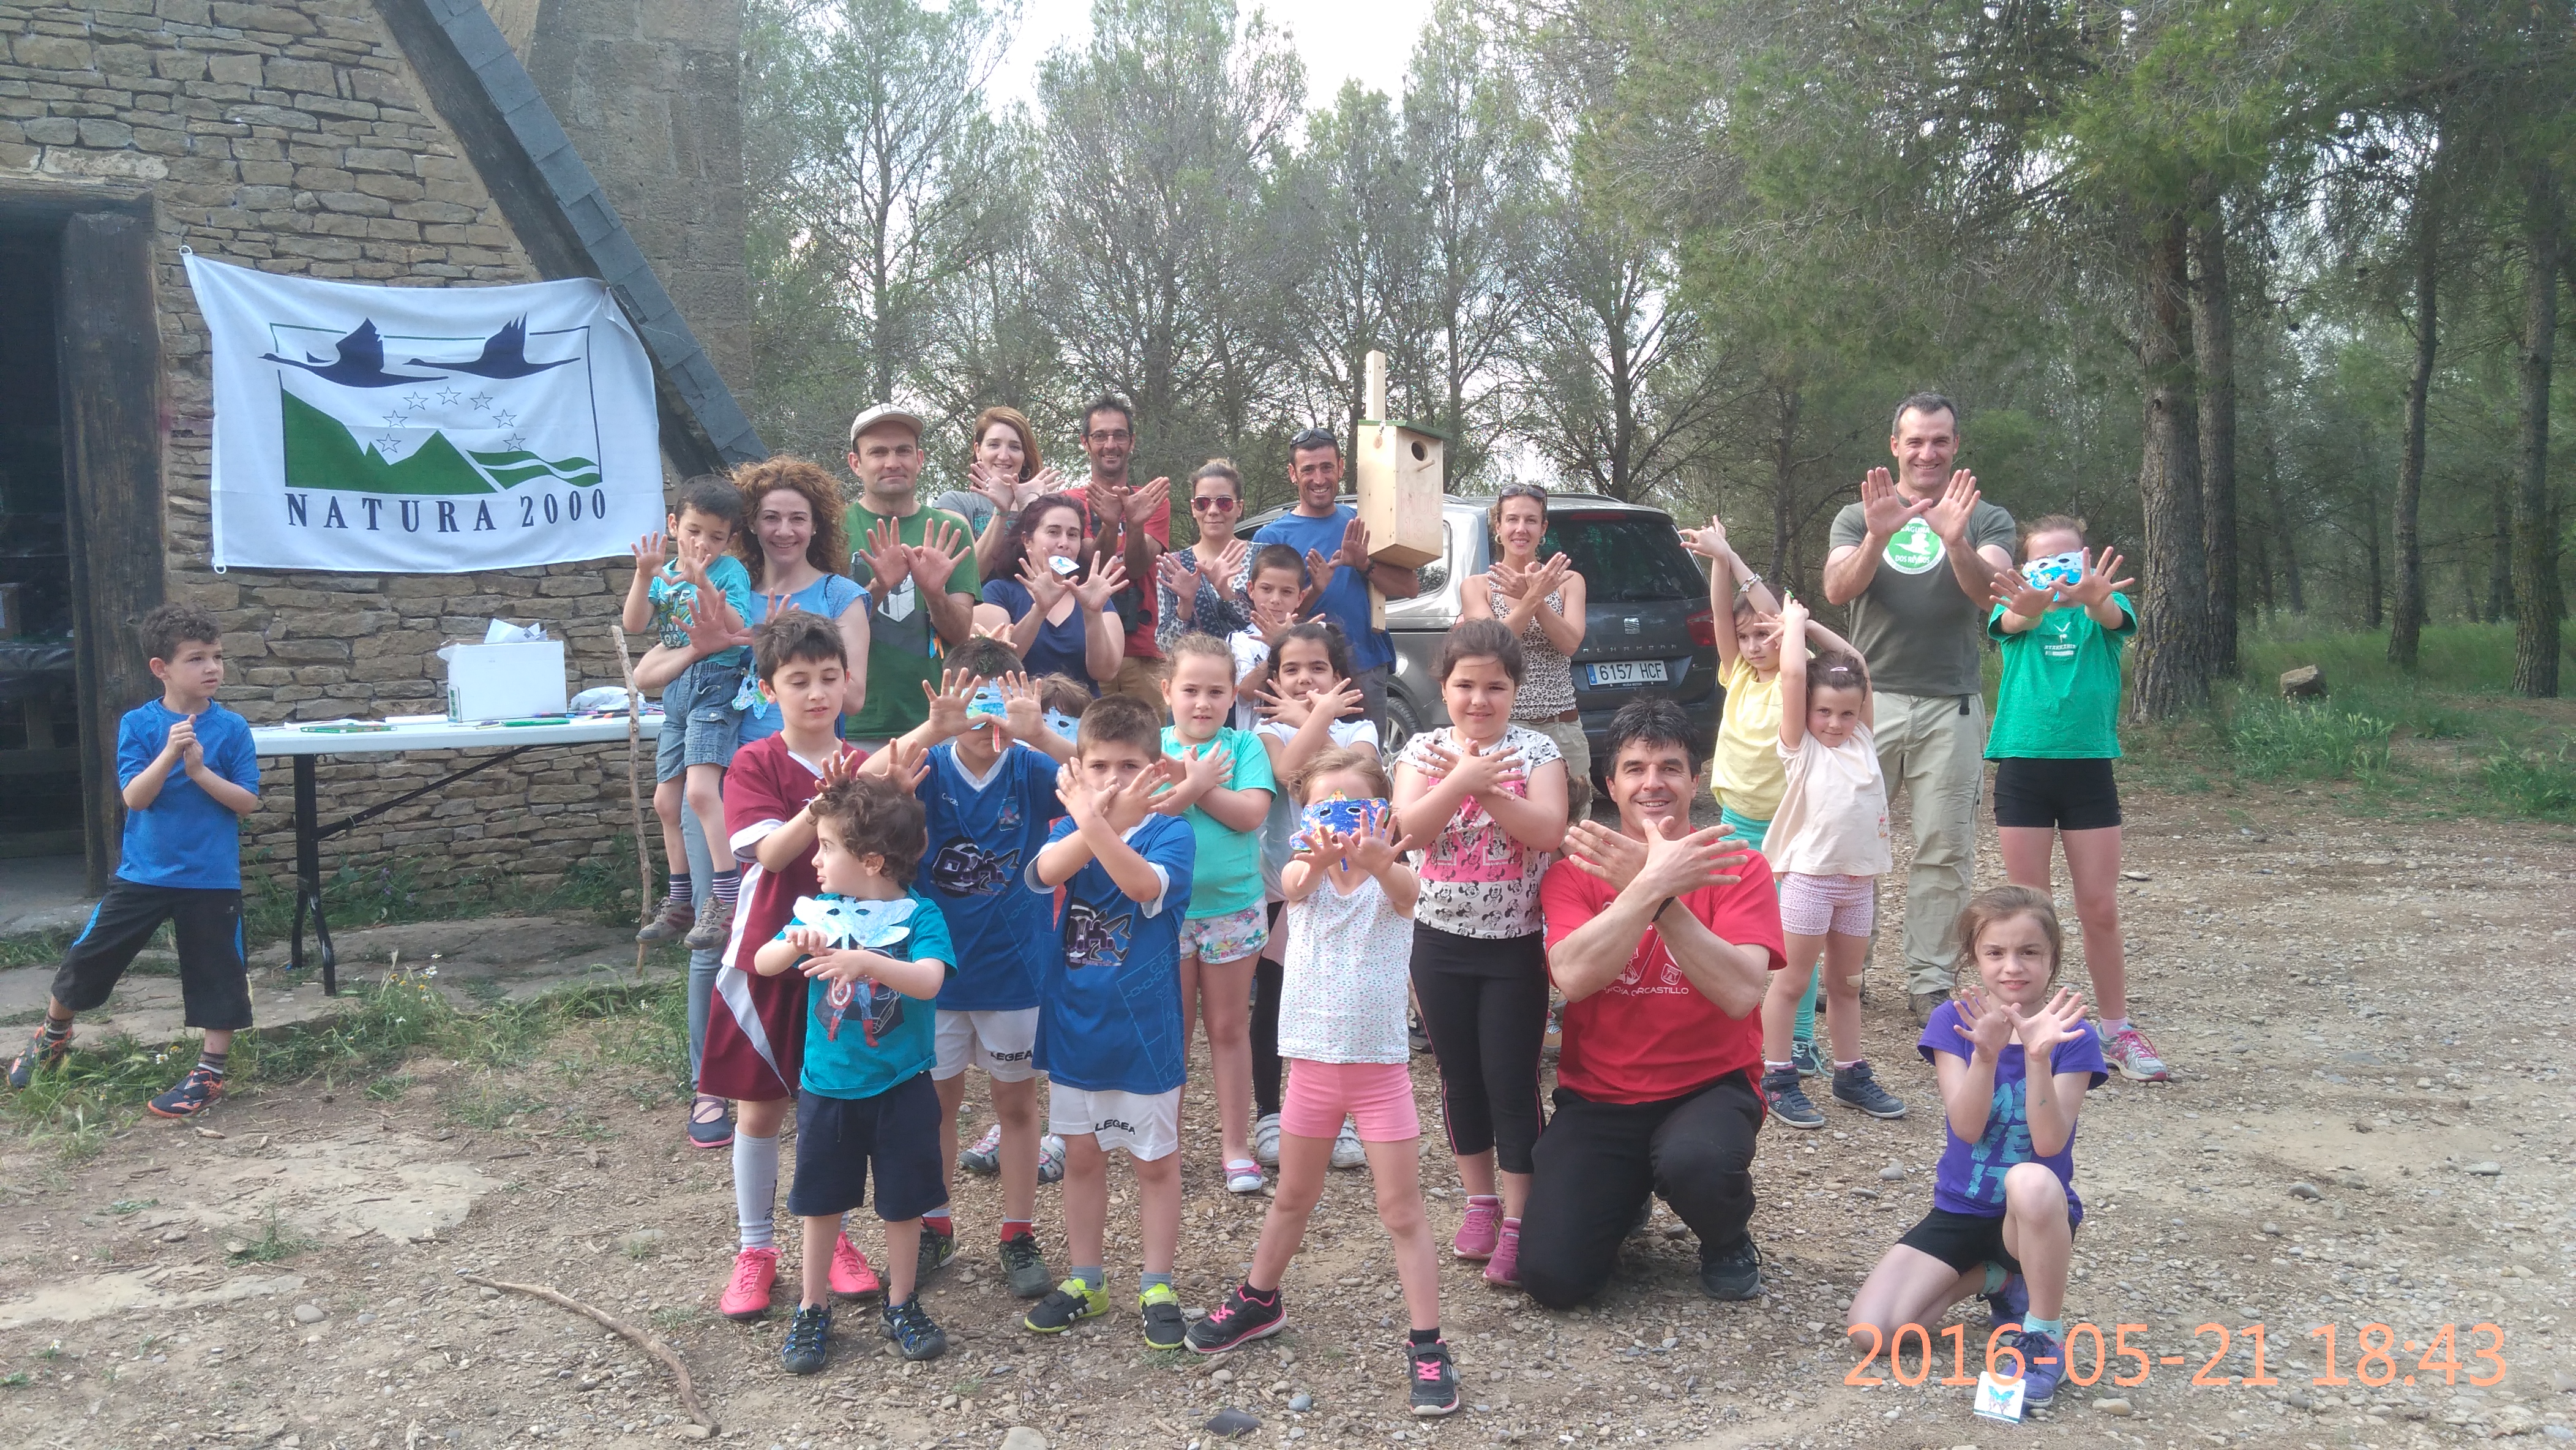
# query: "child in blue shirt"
189,775
989,793
876,952
1110,1035
700,726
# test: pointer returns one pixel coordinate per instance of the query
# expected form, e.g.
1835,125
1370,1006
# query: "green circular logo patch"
1914,549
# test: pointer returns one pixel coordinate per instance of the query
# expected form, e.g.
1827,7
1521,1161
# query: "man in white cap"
919,572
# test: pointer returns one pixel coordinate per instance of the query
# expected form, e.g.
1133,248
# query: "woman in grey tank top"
1542,602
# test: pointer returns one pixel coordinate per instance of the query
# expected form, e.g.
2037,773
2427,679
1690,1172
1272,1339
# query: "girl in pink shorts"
1341,1031
1828,842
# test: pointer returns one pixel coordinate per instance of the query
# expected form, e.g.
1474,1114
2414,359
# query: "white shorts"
1147,1125
1004,1044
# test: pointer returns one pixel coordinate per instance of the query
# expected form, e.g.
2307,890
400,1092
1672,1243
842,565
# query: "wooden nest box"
1400,478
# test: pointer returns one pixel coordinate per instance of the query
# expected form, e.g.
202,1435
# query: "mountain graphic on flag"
346,429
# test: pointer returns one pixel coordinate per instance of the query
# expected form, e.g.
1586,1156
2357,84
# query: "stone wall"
293,137
651,95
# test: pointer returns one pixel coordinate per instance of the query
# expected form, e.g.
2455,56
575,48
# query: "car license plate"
1628,672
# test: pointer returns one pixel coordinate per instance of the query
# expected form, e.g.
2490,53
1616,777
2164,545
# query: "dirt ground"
2372,1127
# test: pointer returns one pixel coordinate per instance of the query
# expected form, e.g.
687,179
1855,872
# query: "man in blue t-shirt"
189,775
1110,1036
1339,572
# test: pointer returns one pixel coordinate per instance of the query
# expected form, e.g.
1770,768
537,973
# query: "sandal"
710,1130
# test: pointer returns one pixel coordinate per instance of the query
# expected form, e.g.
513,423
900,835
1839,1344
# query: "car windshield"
1624,558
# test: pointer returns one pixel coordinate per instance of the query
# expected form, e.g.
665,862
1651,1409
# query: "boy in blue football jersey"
990,794
1110,1037
189,776
875,952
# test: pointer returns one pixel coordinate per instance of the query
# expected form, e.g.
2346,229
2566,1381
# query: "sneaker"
710,1123
1265,1141
1802,1056
747,1297
1857,1087
1244,1176
2043,1364
712,928
2136,1058
1165,1326
1050,1159
1238,1319
807,1333
39,1053
201,1089
1024,1265
1734,1273
2009,1304
911,1330
851,1276
1348,1151
1434,1378
1503,1270
1923,1005
1788,1101
675,919
1480,1230
1414,1036
986,1156
938,1251
1066,1305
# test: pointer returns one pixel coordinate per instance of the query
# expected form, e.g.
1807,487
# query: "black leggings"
1484,1007
1598,1161
1267,976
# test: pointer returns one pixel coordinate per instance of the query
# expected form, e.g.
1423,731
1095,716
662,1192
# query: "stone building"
409,142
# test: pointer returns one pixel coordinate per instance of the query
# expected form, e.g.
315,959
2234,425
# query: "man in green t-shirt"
1915,560
917,566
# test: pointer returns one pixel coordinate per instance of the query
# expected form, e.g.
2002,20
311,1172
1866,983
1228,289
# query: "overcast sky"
1338,40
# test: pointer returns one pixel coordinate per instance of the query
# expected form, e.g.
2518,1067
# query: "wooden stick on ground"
628,1332
635,790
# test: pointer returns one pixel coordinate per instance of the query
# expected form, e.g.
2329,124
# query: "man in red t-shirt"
1663,941
1133,523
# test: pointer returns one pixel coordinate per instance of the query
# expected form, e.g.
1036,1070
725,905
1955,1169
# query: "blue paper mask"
1339,813
986,707
1062,724
2054,572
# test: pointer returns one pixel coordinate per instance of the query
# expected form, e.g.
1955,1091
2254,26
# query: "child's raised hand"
1273,625
1023,717
948,702
192,751
902,762
183,738
2097,585
1793,621
1708,543
1336,701
1136,799
1276,706
838,766
2021,597
1203,768
1375,851
807,939
651,552
1323,847
840,966
1075,793
2060,1020
1983,1022
1473,767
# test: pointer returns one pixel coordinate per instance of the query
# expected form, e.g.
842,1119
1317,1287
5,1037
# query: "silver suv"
1647,627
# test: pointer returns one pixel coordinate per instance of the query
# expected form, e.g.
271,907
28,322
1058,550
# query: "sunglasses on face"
1214,504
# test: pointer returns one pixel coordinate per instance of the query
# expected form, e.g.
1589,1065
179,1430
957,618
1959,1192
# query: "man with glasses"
918,570
1339,572
1135,523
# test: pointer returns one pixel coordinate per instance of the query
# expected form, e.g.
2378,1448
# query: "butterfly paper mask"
2054,572
847,925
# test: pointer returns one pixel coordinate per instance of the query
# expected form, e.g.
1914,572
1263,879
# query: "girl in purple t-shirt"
2014,1065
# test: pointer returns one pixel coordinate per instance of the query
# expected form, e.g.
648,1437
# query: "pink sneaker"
747,1297
2135,1057
851,1276
1503,1270
1481,1228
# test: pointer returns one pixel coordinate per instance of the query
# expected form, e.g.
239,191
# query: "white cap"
883,412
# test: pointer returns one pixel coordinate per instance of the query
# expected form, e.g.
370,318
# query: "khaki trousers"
1932,748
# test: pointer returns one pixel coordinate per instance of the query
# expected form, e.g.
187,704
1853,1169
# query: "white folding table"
306,742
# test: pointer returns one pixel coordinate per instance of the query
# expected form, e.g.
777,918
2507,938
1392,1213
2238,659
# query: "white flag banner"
425,430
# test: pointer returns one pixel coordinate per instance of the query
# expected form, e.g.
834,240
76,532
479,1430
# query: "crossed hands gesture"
1118,809
1113,503
825,961
1989,1023
1471,766
1201,768
1672,860
1534,583
1336,700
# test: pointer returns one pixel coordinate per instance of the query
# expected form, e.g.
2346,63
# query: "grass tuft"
275,1242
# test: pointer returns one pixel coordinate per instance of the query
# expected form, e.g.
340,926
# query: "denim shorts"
700,726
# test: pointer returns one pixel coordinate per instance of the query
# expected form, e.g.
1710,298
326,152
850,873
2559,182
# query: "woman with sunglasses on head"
1542,603
1194,588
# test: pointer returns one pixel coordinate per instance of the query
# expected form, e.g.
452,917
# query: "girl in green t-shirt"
2062,624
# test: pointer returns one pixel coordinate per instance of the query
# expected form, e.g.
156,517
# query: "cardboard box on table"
505,681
